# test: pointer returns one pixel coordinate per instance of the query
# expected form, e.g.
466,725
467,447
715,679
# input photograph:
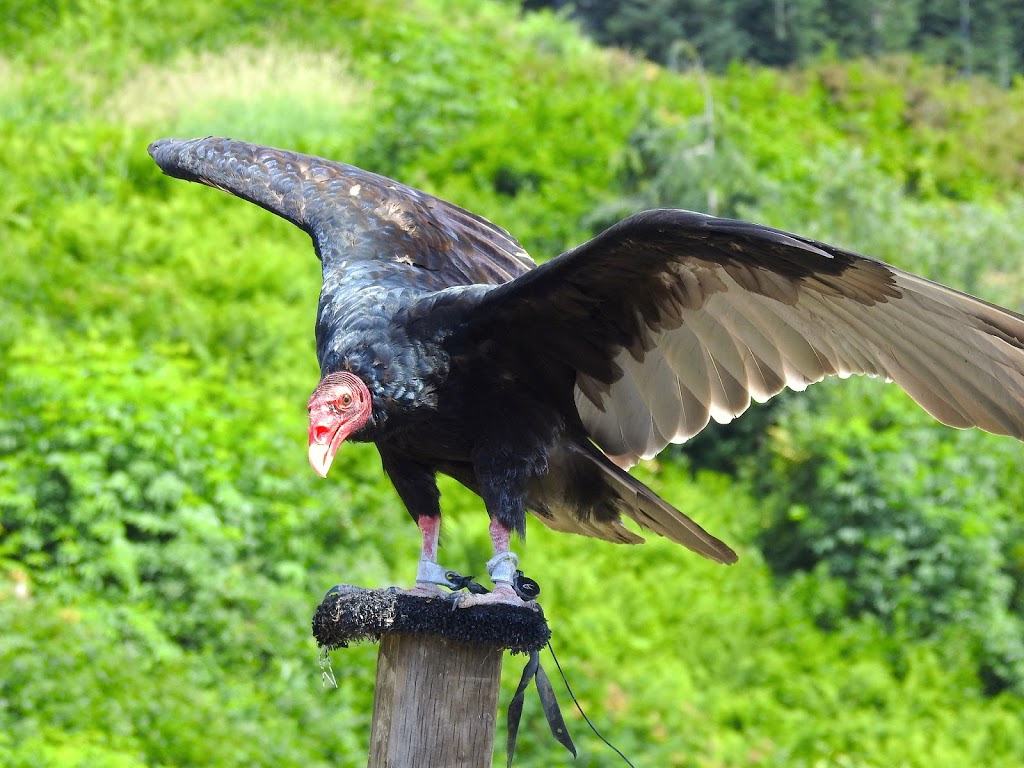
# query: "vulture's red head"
339,406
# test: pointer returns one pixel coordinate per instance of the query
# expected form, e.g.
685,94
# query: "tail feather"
652,512
585,493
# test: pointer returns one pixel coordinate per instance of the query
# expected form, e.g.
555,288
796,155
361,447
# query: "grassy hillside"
163,542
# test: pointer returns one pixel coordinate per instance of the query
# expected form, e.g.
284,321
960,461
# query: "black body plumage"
524,383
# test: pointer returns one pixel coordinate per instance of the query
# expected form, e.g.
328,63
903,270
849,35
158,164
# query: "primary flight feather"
442,343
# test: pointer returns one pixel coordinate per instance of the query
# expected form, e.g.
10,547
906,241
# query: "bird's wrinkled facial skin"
339,406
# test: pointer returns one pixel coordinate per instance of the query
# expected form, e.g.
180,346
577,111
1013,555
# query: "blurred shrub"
90,684
918,521
132,474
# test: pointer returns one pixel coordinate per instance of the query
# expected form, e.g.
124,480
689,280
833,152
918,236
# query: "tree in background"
969,36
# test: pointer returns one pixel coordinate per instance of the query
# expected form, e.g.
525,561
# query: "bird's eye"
346,400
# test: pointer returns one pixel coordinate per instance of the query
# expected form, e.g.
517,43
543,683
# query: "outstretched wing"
671,318
352,214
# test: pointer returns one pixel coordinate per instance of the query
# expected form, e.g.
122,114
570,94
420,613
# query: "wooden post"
438,670
435,703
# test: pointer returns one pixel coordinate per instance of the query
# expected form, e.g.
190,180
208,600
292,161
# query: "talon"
423,589
503,594
341,589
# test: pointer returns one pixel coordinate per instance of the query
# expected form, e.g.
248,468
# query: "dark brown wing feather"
352,214
671,318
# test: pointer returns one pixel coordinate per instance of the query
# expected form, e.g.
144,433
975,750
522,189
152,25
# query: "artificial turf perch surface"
354,614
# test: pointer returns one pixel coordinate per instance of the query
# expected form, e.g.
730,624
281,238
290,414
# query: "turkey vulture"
441,342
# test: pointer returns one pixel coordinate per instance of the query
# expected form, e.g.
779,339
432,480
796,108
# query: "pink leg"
502,568
503,572
430,528
501,537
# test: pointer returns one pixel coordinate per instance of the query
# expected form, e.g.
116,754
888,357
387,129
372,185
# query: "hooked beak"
324,441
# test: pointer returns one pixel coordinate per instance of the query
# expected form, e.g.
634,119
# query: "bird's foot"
430,577
511,587
503,594
424,589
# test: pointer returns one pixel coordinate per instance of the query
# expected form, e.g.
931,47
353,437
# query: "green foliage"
925,539
163,545
759,140
109,691
139,478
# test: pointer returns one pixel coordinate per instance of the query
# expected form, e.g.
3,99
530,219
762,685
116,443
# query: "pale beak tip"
320,459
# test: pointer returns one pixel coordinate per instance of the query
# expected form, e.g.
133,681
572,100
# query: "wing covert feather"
697,316
352,214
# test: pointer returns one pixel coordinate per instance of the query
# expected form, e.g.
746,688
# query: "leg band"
429,572
502,567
